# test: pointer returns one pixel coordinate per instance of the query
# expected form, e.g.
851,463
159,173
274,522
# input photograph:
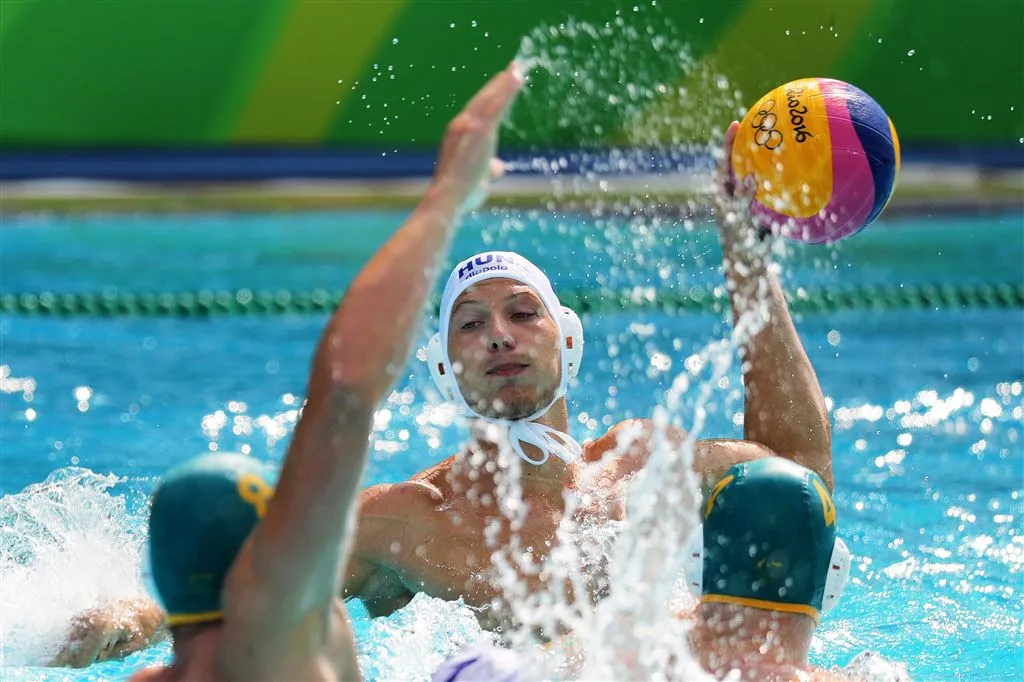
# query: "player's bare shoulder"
624,450
382,497
619,441
402,499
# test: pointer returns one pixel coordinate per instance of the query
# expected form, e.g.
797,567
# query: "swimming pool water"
926,409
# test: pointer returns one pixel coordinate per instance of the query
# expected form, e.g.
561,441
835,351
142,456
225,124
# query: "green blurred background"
388,73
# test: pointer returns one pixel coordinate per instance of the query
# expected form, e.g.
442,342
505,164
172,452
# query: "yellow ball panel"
785,143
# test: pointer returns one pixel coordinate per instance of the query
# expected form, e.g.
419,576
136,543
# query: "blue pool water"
926,408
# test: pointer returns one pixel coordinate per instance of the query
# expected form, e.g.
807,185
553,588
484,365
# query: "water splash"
606,101
623,636
638,88
413,642
625,82
869,665
66,543
644,638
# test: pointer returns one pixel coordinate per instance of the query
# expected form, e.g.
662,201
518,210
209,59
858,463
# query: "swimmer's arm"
379,589
784,408
367,575
110,632
384,538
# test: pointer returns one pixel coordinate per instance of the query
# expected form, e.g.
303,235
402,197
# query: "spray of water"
646,85
637,634
621,98
632,81
66,544
409,645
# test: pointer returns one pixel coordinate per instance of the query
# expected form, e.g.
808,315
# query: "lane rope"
690,299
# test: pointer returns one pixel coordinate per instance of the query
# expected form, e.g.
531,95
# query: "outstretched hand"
466,164
111,631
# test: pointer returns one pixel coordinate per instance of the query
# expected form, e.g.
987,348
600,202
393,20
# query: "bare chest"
465,548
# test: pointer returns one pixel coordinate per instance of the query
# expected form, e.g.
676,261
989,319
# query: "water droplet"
702,20
879,41
451,25
910,53
394,41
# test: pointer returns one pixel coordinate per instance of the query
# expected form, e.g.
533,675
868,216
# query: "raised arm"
292,558
784,407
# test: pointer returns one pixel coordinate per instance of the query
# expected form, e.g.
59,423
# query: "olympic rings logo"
764,123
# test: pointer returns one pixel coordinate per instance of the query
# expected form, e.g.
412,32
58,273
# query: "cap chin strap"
548,440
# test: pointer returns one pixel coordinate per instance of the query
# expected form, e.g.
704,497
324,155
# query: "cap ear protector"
835,581
838,575
572,348
693,563
440,371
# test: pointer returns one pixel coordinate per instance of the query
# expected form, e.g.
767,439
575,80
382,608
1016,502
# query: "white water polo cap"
508,265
